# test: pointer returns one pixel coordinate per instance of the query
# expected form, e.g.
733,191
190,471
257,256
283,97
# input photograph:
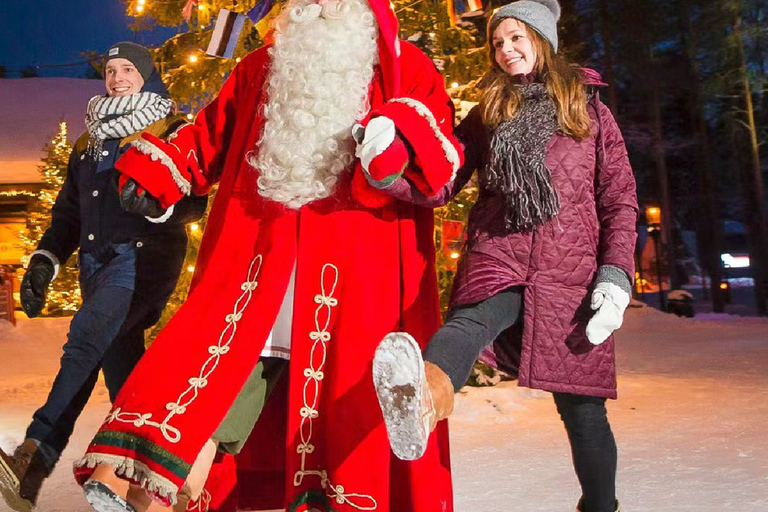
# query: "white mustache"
335,10
332,10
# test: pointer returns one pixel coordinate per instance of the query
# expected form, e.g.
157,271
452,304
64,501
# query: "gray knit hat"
136,54
540,15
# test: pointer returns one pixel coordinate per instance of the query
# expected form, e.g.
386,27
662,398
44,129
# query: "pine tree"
64,292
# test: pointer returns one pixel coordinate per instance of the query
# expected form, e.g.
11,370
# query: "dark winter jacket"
557,262
87,214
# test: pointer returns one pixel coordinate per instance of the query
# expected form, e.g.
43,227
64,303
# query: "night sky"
44,32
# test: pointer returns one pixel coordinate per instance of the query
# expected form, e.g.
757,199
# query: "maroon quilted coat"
557,262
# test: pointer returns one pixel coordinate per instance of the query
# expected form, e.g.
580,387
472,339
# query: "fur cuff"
437,155
149,163
155,153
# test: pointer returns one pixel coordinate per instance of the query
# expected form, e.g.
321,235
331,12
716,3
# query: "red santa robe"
364,266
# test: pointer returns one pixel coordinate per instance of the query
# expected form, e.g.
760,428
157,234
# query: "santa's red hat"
389,46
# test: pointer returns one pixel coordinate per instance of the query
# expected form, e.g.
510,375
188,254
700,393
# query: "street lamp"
653,218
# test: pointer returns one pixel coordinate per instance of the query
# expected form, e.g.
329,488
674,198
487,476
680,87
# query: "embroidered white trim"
156,154
50,256
309,412
153,482
170,433
164,217
450,151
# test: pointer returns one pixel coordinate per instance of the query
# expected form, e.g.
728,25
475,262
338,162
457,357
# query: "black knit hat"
137,54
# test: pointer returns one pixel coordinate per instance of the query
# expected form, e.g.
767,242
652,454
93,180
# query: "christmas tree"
64,292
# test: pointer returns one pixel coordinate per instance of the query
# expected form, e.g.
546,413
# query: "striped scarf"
117,117
516,168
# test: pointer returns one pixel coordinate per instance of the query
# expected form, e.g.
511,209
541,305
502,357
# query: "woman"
549,257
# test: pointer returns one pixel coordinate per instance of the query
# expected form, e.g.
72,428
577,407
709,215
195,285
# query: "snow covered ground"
690,422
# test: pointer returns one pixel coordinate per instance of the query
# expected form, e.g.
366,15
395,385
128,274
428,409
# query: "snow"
690,421
30,112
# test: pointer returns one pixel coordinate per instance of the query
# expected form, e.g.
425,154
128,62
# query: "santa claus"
306,264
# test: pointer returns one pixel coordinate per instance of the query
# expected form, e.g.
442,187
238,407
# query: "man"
129,264
302,260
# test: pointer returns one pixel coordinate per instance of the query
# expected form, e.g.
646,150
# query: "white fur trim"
164,217
50,256
158,154
450,151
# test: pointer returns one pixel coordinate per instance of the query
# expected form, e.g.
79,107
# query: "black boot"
22,475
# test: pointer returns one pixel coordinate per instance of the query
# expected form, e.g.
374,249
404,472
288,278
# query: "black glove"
35,284
140,203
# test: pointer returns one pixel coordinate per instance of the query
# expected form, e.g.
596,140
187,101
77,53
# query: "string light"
17,193
193,58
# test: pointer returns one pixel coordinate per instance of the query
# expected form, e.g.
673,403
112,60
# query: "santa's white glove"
609,302
383,155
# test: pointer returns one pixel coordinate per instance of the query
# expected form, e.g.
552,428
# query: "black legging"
455,348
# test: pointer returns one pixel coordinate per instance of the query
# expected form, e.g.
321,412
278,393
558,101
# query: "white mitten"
610,302
373,139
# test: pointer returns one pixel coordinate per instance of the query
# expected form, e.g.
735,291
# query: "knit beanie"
136,54
540,15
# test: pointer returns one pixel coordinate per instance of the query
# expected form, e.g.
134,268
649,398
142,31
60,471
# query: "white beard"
322,66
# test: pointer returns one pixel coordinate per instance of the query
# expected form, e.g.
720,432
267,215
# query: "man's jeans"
101,335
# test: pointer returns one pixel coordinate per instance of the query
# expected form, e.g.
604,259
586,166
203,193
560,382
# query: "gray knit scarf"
117,117
516,168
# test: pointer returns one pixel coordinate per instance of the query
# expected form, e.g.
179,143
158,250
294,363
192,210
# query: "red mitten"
160,167
382,153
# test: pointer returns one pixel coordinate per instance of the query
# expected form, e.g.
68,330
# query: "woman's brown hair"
501,98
